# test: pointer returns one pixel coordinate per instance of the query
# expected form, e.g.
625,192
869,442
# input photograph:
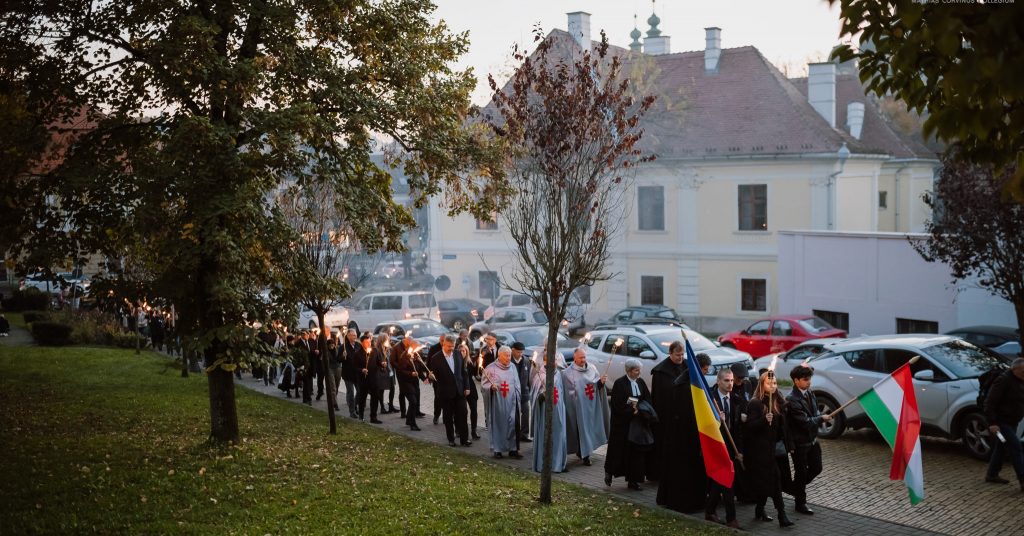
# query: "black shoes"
319,396
586,461
525,439
515,455
607,479
634,486
420,414
996,480
475,436
498,456
712,518
414,428
435,421
466,443
784,521
803,509
376,421
761,515
451,443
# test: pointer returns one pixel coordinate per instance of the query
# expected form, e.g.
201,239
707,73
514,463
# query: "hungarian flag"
892,405
717,463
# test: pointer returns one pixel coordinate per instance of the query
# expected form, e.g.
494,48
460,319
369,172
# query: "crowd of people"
651,432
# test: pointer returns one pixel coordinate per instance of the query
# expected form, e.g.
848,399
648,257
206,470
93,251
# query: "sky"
789,33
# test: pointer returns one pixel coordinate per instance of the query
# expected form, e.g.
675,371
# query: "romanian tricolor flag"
717,463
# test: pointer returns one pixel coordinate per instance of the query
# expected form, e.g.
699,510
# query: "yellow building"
749,153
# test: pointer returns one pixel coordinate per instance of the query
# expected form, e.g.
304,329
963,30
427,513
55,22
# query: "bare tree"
573,127
322,271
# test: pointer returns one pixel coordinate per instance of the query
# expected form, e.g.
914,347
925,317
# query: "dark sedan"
460,313
426,332
999,339
644,314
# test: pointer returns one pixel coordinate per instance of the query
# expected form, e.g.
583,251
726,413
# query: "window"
882,200
895,358
652,207
909,325
753,205
488,285
863,359
513,316
652,290
521,299
759,328
636,346
834,318
754,295
781,328
594,343
583,293
490,224
609,343
421,301
387,303
623,316
540,318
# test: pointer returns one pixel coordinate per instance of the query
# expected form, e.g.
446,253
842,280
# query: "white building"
742,153
876,283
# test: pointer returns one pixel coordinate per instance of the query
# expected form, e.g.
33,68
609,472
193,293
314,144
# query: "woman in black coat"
625,458
765,437
473,370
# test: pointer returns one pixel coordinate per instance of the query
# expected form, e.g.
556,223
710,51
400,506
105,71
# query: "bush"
127,340
35,316
27,300
51,333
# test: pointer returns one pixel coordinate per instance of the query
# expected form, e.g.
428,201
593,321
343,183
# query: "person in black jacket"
803,419
765,438
731,407
349,371
625,458
663,377
1004,409
524,367
451,389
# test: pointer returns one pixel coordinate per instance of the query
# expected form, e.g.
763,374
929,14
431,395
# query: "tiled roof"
748,107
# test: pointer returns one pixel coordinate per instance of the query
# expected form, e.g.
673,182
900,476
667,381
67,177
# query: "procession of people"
651,433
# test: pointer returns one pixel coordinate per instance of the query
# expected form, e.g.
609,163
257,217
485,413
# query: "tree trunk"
549,387
223,413
184,364
135,330
325,366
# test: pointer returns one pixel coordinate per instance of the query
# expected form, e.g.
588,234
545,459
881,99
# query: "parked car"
460,313
508,317
779,334
650,345
426,332
1000,339
945,383
54,284
372,309
336,317
575,314
644,314
533,338
805,352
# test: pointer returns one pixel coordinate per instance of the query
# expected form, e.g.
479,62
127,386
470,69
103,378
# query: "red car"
778,334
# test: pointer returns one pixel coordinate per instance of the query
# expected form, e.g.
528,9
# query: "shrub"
35,316
26,300
127,340
51,333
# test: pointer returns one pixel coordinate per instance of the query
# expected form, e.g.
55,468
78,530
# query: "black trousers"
375,400
524,415
409,392
307,386
453,410
716,494
806,466
437,403
318,369
472,402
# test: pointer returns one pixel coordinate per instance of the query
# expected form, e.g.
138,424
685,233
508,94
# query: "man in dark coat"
350,371
1004,409
524,367
731,406
683,487
624,457
663,377
803,419
409,371
452,388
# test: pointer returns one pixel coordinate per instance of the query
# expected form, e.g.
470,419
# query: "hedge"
51,333
30,299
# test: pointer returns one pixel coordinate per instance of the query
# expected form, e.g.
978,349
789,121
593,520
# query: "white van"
373,309
336,317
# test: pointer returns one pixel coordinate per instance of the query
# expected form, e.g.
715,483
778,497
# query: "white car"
945,381
336,317
805,352
574,314
650,345
508,317
373,309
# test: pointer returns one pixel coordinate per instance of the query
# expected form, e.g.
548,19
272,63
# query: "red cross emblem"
589,391
504,389
556,396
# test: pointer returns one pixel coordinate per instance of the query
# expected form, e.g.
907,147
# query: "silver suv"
945,381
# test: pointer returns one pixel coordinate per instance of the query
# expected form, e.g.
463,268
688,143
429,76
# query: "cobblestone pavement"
852,496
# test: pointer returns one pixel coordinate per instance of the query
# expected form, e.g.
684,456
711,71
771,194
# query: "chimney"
855,118
655,43
821,90
712,48
579,28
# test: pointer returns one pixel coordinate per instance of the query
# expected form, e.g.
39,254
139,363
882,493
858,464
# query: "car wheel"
474,335
458,324
834,429
974,435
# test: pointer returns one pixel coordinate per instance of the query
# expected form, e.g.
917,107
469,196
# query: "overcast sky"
787,32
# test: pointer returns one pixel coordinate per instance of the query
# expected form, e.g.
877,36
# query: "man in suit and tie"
732,409
451,389
803,420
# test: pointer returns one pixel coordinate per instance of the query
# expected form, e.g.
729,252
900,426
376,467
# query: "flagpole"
854,399
739,457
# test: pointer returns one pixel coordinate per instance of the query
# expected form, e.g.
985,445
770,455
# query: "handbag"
640,433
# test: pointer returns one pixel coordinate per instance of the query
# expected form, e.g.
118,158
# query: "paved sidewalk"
825,520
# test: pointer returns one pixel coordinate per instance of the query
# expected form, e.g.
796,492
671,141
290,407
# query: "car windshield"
814,325
699,342
425,329
965,359
535,337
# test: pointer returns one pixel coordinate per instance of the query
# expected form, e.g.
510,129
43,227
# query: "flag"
892,406
717,463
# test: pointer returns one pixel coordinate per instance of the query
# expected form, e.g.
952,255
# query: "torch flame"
618,342
586,338
775,359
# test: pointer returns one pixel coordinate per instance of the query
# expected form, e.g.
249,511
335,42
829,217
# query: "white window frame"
767,208
664,207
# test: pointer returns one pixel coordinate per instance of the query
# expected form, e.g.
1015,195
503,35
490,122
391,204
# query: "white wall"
876,278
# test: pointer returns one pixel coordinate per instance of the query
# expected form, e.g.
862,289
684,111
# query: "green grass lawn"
101,440
16,319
